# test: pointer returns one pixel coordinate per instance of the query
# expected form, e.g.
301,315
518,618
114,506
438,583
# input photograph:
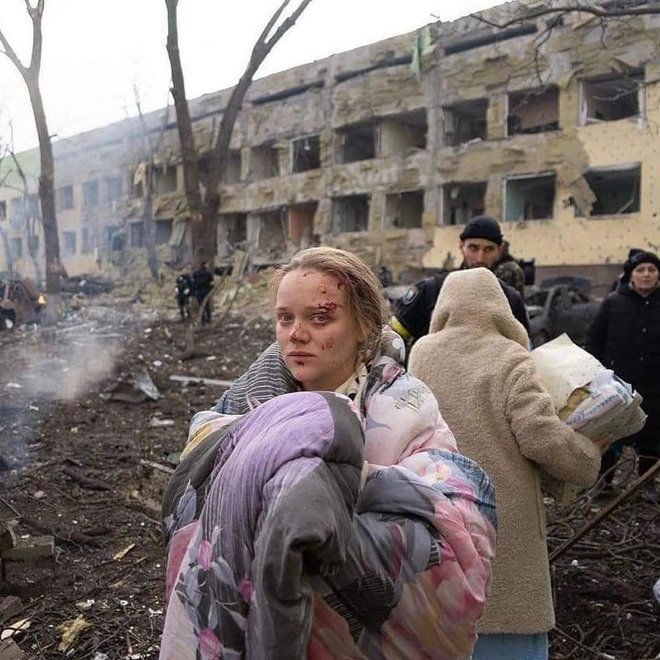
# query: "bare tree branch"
567,9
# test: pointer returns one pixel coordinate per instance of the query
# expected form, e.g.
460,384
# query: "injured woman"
322,509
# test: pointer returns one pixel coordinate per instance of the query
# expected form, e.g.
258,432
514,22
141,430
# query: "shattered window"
465,121
530,197
233,169
617,190
462,201
306,154
265,162
609,98
359,142
404,210
350,213
533,111
3,210
166,179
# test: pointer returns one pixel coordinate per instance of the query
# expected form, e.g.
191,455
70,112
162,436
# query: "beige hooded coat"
476,362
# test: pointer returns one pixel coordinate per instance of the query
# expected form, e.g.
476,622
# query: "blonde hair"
363,291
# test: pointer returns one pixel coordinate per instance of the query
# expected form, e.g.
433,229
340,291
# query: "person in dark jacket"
202,285
625,336
481,244
183,291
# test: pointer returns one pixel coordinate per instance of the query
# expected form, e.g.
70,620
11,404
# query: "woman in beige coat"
476,362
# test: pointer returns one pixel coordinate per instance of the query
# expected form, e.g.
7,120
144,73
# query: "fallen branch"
649,474
86,482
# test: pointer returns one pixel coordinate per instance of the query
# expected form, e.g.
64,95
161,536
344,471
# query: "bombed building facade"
549,124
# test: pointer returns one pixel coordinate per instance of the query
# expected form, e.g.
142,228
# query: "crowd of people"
338,502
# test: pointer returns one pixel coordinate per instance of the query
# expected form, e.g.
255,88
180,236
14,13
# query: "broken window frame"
3,210
528,177
136,231
355,227
311,157
452,115
342,135
417,193
527,93
163,236
444,217
635,77
610,172
165,179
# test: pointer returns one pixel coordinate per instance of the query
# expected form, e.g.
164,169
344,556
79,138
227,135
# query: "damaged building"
549,124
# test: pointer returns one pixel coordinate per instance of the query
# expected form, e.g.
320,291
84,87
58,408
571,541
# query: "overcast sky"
96,51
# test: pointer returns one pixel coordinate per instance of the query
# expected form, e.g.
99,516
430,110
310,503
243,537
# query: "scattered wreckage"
20,303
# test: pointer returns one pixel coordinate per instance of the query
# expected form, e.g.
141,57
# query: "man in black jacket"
625,336
481,245
202,285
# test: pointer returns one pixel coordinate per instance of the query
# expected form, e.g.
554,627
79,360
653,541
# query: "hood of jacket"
473,299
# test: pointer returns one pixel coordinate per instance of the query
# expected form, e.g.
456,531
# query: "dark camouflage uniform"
512,274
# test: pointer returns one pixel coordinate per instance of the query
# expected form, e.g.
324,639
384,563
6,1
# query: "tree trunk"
149,225
8,255
46,190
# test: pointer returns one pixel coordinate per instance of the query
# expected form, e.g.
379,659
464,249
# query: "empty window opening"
265,162
350,213
306,154
301,224
617,190
16,247
64,198
272,231
91,193
530,197
398,135
465,121
404,209
68,243
3,210
163,231
166,179
533,111
113,188
232,233
462,201
357,142
609,98
136,234
115,238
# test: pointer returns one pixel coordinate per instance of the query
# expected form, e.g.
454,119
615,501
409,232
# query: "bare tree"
203,208
30,75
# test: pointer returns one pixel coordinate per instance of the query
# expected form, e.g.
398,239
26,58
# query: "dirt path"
82,470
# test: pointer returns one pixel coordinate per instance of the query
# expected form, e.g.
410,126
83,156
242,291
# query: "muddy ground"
90,472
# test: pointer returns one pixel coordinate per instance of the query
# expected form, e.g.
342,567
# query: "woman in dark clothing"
625,337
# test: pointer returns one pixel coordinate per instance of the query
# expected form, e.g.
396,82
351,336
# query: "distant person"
202,285
384,276
475,360
509,270
625,336
183,290
481,245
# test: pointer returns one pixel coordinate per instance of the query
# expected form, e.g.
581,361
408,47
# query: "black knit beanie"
482,226
641,258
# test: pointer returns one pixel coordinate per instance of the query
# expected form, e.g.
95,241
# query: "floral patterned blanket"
282,545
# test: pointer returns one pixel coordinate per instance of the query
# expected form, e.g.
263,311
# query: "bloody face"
316,331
